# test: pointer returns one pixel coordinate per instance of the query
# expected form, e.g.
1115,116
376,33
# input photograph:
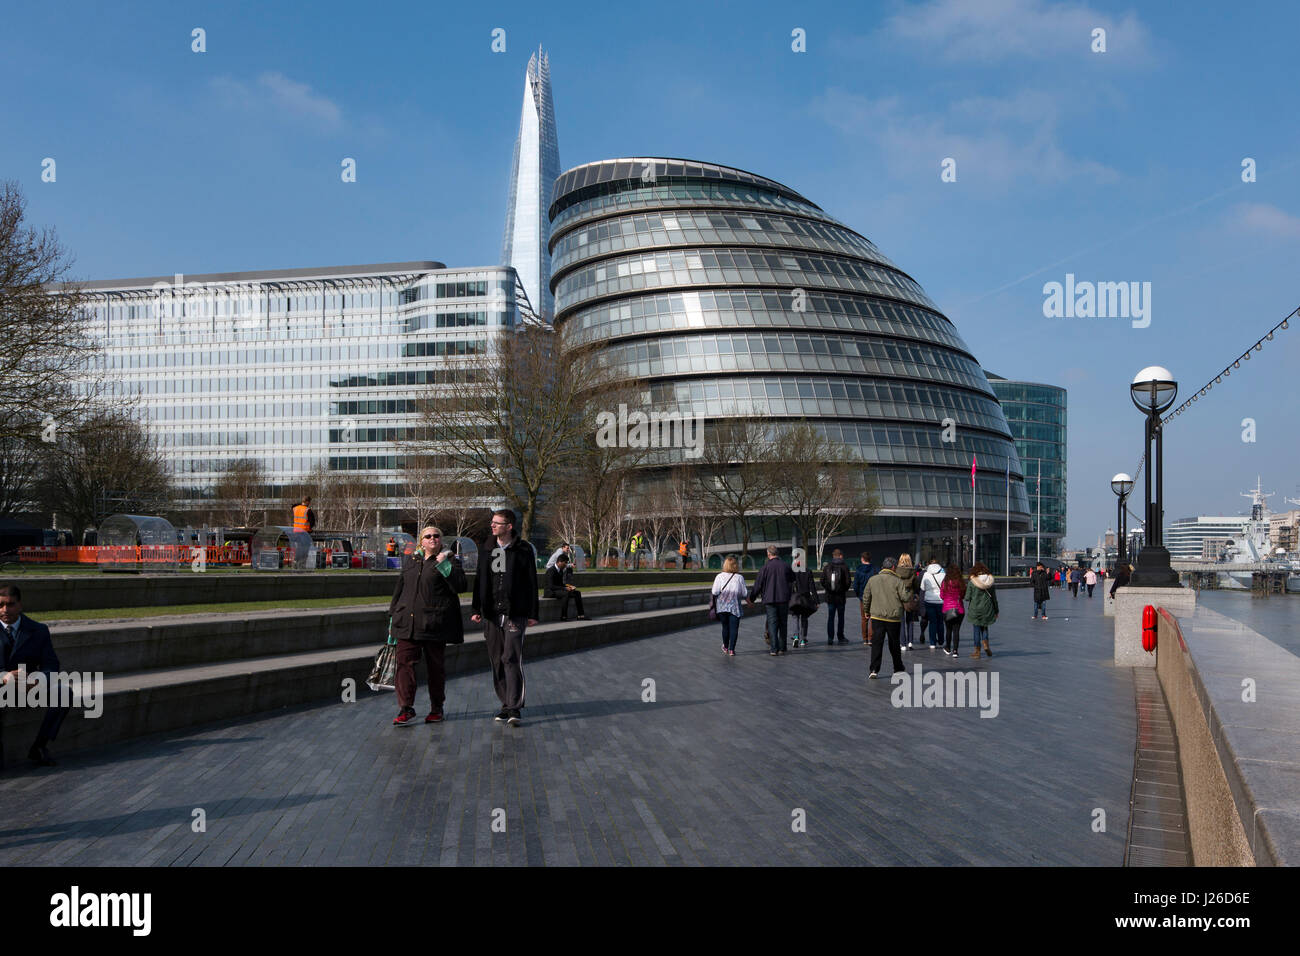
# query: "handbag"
383,674
913,604
953,614
713,600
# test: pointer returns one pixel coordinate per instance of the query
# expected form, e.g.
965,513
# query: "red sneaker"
435,717
404,718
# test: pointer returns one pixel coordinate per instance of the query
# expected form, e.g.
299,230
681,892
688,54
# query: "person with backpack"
1040,582
954,611
981,606
835,582
728,592
861,575
804,602
932,602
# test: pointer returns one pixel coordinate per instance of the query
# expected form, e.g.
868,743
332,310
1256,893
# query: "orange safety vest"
300,518
681,549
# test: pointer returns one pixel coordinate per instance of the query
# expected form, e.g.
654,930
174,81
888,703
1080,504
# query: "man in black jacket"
505,600
24,641
559,585
773,586
425,613
1040,582
835,582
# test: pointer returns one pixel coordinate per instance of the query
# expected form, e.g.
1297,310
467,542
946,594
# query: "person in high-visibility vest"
304,519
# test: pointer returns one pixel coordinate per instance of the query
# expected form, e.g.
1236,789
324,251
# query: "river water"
1276,617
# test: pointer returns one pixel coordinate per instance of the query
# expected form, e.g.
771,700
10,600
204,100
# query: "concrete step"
173,698
80,592
115,647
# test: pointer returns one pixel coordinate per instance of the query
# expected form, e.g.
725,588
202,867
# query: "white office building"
1186,537
294,368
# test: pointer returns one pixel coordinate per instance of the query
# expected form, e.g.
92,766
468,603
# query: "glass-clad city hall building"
731,294
295,368
1036,415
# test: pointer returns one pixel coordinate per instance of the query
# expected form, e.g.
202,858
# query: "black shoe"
829,643
843,640
513,718
582,617
41,757
502,717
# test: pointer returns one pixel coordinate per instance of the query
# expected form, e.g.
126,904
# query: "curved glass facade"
732,295
1036,414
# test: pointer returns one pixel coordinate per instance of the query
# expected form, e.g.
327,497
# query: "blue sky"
1115,166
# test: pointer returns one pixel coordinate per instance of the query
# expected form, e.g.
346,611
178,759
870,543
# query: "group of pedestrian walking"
897,595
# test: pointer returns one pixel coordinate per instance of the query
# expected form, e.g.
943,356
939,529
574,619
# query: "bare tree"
817,483
734,474
517,418
240,493
47,383
104,464
19,471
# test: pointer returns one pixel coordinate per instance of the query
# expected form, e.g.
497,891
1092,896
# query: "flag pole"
1006,538
972,510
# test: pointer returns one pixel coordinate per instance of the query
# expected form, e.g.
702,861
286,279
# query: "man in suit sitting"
24,641
559,584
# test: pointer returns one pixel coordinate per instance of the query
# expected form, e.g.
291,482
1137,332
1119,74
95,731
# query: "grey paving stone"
708,774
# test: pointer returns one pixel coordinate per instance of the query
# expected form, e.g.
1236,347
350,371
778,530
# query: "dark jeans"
730,629
832,610
408,656
1074,588
934,613
776,623
1090,587
954,633
505,647
882,631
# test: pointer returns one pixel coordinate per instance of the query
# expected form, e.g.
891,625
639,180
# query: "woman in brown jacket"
425,612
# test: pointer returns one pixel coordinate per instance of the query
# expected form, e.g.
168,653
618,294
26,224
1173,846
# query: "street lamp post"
1121,484
1153,391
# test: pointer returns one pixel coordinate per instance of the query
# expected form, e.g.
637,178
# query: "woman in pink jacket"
953,610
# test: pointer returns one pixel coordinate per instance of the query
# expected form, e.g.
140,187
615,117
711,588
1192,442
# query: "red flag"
972,471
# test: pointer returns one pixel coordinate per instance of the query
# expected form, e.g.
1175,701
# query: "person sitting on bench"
559,585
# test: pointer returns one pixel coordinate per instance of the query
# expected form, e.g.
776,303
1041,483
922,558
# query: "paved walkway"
715,771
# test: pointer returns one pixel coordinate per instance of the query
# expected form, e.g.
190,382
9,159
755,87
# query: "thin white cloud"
1263,219
995,141
274,92
990,30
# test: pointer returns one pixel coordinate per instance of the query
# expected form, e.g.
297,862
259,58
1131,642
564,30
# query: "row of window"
676,228
294,355
445,347
463,289
702,267
423,376
905,355
603,198
764,362
1021,412
236,302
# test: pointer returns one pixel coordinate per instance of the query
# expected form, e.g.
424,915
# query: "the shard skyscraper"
532,176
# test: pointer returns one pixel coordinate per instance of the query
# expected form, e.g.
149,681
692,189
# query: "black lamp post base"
1152,569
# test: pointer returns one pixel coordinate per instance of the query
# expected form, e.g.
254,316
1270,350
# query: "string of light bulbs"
1244,357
